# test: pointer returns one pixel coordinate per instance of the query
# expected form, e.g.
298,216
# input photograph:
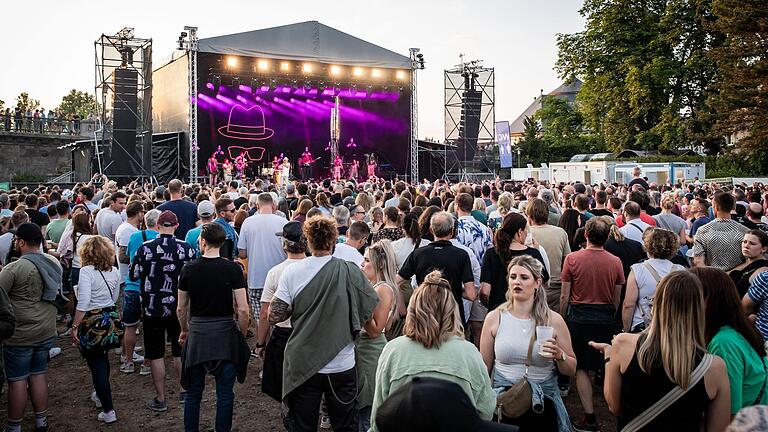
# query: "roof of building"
305,41
566,90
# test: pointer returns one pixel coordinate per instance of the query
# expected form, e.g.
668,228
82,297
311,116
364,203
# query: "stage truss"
469,120
123,51
188,42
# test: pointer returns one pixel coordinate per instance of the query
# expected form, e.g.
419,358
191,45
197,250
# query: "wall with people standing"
33,158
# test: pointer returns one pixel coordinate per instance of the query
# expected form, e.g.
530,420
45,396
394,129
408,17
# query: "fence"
46,125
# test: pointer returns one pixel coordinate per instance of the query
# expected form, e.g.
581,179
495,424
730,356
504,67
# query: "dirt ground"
71,409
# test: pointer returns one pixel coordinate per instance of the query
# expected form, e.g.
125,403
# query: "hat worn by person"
291,231
167,219
206,209
29,232
430,404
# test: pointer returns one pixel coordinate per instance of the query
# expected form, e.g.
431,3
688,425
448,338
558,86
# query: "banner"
505,146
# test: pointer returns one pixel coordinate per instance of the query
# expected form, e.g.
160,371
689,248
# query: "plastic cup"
544,333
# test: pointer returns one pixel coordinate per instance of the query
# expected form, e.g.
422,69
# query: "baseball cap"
206,209
167,219
29,232
291,231
432,404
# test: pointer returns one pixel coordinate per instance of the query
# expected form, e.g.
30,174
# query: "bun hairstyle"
510,226
433,314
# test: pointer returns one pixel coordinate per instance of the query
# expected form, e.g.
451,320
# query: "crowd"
389,306
37,121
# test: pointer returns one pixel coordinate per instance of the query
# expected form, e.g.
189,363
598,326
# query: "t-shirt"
293,280
494,272
264,248
192,237
554,240
601,212
698,223
55,229
628,251
441,255
670,221
38,218
720,243
474,235
758,293
107,222
35,318
270,286
348,253
136,240
593,275
122,237
157,265
634,230
746,370
186,213
210,284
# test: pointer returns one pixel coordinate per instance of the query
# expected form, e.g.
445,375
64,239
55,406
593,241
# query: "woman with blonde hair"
668,220
376,217
380,269
511,351
433,345
364,200
97,291
641,369
323,204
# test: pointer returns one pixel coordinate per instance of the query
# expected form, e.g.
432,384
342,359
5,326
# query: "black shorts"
155,332
588,358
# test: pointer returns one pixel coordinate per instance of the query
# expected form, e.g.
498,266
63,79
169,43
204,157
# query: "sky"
52,51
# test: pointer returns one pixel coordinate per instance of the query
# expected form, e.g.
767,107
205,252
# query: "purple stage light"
210,86
244,88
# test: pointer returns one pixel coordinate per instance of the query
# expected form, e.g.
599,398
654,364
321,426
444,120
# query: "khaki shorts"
478,311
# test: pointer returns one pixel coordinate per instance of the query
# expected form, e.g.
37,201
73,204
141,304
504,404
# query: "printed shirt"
475,236
158,265
720,243
758,293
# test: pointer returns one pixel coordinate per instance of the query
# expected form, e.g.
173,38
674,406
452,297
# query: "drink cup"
544,333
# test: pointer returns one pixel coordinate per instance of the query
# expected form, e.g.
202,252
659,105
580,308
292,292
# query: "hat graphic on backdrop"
246,124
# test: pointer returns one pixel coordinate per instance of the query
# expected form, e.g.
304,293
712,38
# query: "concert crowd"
383,305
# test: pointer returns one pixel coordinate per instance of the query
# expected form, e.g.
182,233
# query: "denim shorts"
131,308
23,361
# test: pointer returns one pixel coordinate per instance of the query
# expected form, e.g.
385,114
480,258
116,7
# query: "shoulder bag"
516,400
101,329
665,402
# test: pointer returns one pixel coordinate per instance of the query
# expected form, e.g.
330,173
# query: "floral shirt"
474,235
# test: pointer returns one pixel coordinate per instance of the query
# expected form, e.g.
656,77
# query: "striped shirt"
719,242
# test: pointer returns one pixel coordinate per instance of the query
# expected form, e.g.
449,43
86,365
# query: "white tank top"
511,350
646,285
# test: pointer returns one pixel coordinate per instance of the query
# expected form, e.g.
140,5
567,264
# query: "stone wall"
33,157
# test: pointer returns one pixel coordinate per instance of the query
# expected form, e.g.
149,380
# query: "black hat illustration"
246,124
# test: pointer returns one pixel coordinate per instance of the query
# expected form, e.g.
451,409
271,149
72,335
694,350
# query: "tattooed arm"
278,311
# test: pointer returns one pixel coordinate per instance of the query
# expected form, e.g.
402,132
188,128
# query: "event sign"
505,145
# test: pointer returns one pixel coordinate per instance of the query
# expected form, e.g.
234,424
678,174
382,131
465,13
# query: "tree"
562,129
741,97
26,103
531,146
77,102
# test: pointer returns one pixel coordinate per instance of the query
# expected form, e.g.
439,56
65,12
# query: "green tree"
741,97
78,102
26,103
563,130
532,147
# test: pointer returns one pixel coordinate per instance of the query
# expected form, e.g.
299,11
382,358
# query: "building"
566,90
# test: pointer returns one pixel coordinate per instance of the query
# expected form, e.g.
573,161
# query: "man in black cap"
157,265
31,283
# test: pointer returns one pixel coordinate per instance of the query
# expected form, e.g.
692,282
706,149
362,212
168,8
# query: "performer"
372,167
337,166
276,170
353,170
240,164
305,164
212,167
227,167
285,172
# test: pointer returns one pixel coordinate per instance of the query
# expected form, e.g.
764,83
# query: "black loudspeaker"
469,128
125,159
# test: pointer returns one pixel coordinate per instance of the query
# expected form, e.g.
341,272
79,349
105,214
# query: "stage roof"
306,41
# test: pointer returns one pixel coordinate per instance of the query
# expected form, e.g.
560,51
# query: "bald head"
755,212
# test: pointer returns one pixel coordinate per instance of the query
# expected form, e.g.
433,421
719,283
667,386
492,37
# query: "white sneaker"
107,417
95,400
53,352
136,358
137,348
145,370
127,367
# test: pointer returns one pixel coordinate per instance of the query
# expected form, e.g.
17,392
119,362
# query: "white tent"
306,41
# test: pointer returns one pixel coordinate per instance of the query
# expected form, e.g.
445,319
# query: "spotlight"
231,61
400,75
262,65
307,68
335,70
376,73
358,72
285,66
295,85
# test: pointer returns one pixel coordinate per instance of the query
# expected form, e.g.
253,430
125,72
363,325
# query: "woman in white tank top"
508,333
661,245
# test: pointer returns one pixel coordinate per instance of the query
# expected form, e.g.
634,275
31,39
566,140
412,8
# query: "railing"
46,126
68,177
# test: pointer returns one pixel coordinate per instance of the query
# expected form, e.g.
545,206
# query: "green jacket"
328,315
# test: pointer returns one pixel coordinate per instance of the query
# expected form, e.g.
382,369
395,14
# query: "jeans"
225,373
340,390
364,418
98,363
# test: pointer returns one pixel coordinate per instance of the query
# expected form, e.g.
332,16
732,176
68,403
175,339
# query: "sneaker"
137,348
53,352
127,367
136,358
325,422
65,333
157,406
182,397
95,399
145,370
584,426
564,390
107,417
